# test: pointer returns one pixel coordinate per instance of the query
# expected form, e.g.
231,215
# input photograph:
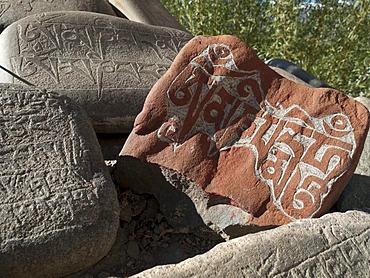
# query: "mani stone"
298,72
356,195
249,148
104,63
12,10
336,245
149,12
58,205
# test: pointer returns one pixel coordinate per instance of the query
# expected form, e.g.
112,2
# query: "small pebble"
133,249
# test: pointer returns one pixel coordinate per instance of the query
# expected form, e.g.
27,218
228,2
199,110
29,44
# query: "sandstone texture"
251,147
298,72
336,245
104,63
356,195
58,205
13,10
149,12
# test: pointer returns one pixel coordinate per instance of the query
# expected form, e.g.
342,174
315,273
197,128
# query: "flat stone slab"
336,245
104,63
298,72
290,76
247,146
58,205
11,11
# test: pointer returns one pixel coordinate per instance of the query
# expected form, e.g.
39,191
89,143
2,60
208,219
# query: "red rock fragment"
221,118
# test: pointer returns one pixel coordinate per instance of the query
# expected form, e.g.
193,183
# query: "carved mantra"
54,51
293,152
27,6
208,96
41,179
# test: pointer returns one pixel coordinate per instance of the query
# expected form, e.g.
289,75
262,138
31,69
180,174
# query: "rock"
364,100
356,195
363,166
223,135
297,72
290,76
105,63
148,12
133,249
58,206
336,245
11,10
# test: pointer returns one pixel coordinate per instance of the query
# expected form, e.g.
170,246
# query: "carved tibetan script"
86,52
297,156
44,177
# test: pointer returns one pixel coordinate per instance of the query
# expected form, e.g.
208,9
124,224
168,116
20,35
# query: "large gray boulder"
11,10
336,245
58,205
105,63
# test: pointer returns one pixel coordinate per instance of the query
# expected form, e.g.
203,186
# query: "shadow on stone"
177,207
186,206
356,194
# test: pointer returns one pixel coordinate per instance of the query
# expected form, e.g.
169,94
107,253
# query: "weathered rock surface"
336,245
298,72
240,142
12,10
149,12
105,63
356,195
58,206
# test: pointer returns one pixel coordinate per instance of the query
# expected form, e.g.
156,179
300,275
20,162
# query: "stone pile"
224,146
334,246
104,63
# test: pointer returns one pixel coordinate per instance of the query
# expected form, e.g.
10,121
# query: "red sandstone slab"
221,118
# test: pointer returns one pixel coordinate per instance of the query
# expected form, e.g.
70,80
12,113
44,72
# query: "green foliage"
330,39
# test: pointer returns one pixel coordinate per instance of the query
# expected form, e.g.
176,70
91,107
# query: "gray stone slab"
149,12
290,76
297,72
11,10
363,166
104,63
58,205
336,245
364,100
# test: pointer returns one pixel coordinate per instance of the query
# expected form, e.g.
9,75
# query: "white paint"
222,91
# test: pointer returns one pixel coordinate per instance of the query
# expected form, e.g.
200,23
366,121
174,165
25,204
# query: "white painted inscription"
296,155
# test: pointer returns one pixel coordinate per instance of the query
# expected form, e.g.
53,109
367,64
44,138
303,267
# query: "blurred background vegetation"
329,38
